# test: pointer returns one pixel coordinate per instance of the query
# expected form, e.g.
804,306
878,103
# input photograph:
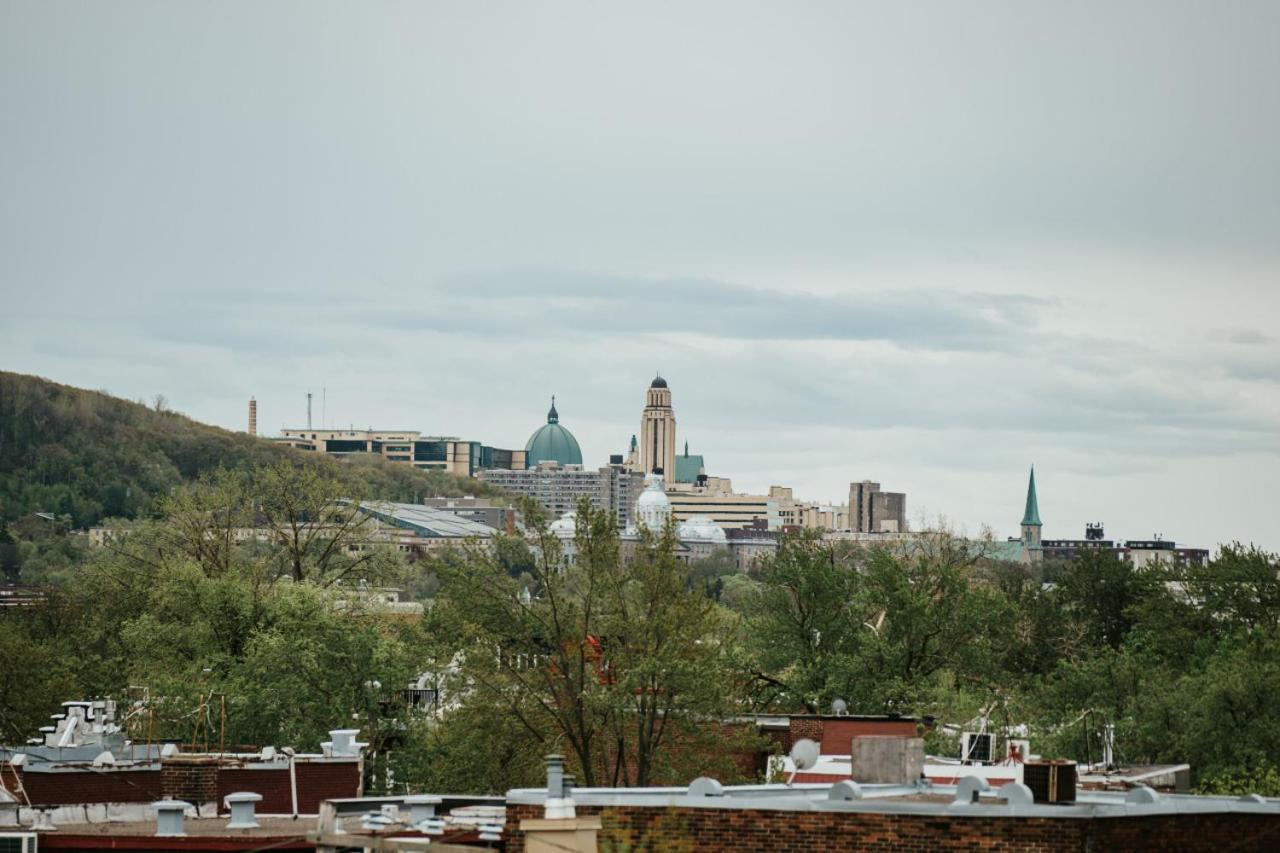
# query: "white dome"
701,528
566,526
652,508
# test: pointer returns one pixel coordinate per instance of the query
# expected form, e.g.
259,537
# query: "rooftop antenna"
323,407
839,707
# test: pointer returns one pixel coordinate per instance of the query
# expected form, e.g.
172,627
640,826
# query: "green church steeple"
1032,514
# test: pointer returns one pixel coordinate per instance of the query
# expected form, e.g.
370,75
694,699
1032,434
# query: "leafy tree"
10,555
609,663
875,627
802,620
319,530
1098,591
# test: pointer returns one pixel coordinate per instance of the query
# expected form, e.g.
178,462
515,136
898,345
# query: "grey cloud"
1241,336
517,302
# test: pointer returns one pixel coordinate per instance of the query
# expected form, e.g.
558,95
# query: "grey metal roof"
427,521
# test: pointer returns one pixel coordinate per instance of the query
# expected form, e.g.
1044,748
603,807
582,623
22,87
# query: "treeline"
634,660
86,456
207,637
631,663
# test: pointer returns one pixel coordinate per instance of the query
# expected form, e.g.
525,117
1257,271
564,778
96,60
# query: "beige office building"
406,447
808,514
729,510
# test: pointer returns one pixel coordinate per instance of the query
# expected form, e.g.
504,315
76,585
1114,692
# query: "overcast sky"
928,244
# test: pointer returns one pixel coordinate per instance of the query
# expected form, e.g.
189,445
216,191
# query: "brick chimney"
193,778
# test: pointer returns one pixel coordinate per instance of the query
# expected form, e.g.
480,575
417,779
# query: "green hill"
91,456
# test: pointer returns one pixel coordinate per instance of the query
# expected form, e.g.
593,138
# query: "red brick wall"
273,785
836,734
802,727
106,786
330,781
316,782
195,783
193,780
636,828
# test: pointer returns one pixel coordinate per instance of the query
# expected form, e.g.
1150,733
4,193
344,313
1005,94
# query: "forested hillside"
88,455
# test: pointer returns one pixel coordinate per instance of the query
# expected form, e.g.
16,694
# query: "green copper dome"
552,443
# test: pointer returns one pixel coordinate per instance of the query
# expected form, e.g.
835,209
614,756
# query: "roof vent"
969,789
1141,796
241,805
422,807
344,743
1016,794
169,817
846,790
705,786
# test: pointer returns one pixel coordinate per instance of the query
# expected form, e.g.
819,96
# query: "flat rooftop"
919,798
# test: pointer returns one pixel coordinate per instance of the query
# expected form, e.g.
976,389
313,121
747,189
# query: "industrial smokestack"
253,416
308,410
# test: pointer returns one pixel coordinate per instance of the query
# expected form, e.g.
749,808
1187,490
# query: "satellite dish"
805,753
839,707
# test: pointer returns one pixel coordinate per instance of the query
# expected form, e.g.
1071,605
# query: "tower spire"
1032,513
553,417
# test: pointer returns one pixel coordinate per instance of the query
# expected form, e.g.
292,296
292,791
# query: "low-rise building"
406,447
713,498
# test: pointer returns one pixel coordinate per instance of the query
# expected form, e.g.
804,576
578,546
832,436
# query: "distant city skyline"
926,245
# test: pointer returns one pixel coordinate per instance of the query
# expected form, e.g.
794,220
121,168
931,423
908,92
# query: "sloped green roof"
688,468
1032,514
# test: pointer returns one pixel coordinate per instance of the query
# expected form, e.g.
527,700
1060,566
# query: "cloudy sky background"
923,243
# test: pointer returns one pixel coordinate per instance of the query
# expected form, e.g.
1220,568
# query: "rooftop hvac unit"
18,842
977,747
1050,781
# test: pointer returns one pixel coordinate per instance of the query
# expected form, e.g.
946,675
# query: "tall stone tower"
658,430
1031,521
253,416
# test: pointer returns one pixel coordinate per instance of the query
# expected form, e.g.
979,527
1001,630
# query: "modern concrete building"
407,447
621,486
874,511
557,488
658,430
